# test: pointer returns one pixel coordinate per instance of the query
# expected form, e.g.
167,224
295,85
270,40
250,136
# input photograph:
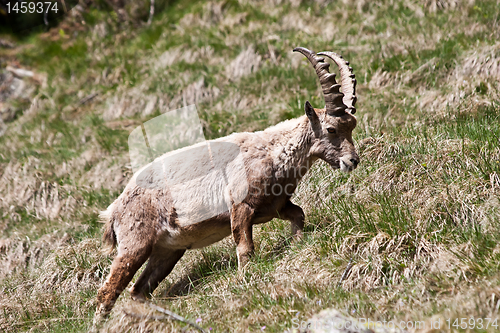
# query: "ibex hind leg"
241,227
131,256
160,264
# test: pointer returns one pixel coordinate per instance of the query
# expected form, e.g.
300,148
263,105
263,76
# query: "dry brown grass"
50,272
238,67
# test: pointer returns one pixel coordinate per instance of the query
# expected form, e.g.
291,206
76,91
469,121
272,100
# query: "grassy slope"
419,218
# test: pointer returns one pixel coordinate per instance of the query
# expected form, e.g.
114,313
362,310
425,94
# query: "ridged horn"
347,79
331,89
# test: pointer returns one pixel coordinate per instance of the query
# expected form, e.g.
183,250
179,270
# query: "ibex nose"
355,161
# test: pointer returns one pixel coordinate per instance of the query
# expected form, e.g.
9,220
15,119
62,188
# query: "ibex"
144,221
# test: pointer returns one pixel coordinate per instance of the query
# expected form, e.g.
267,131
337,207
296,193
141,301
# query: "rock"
17,86
10,88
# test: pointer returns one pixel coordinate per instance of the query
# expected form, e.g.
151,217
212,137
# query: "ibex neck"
292,141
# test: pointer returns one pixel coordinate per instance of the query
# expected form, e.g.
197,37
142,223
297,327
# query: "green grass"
418,219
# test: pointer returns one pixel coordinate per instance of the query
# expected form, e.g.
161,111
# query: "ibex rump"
143,222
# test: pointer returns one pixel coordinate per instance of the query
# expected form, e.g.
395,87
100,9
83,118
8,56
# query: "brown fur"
108,237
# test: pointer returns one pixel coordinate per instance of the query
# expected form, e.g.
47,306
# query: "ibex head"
333,125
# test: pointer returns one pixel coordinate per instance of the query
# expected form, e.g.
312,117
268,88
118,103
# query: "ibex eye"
331,130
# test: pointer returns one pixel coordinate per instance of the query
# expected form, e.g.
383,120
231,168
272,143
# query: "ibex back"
144,222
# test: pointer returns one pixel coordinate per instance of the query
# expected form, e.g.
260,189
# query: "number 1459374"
473,323
24,7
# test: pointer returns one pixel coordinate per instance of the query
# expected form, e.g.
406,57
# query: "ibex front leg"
295,215
241,227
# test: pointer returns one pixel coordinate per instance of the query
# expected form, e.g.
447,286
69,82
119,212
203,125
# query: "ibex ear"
313,117
311,114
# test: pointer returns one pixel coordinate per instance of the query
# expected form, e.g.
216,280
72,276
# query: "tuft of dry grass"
50,273
410,235
244,64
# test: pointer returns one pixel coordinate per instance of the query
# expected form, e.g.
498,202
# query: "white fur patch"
204,180
346,165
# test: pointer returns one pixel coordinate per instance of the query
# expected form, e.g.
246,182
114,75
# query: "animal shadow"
202,269
213,263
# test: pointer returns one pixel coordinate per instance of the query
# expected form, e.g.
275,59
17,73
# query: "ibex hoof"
138,297
243,261
101,314
297,236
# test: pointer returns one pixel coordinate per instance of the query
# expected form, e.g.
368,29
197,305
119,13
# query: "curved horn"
331,89
347,79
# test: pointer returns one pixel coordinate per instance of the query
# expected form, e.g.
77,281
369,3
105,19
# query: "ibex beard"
153,222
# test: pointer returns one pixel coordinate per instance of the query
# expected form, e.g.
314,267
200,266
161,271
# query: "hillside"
417,222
